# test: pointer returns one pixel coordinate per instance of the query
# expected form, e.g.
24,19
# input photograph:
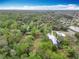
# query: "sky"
40,4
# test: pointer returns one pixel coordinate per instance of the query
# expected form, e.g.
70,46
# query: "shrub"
64,43
71,52
55,55
20,48
3,43
58,56
46,45
2,56
34,56
77,35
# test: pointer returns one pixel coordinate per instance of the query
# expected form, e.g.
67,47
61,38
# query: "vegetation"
24,36
77,35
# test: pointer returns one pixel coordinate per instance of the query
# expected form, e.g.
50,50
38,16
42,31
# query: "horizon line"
51,7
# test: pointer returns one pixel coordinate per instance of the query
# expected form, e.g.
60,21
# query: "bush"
21,48
77,35
64,43
2,56
3,43
55,55
58,56
34,56
46,45
71,52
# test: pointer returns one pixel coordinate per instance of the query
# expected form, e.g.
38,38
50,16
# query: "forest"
23,35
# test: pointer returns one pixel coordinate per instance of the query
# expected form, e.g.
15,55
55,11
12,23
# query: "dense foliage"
24,36
77,35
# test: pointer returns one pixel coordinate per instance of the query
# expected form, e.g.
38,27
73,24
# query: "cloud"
52,7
